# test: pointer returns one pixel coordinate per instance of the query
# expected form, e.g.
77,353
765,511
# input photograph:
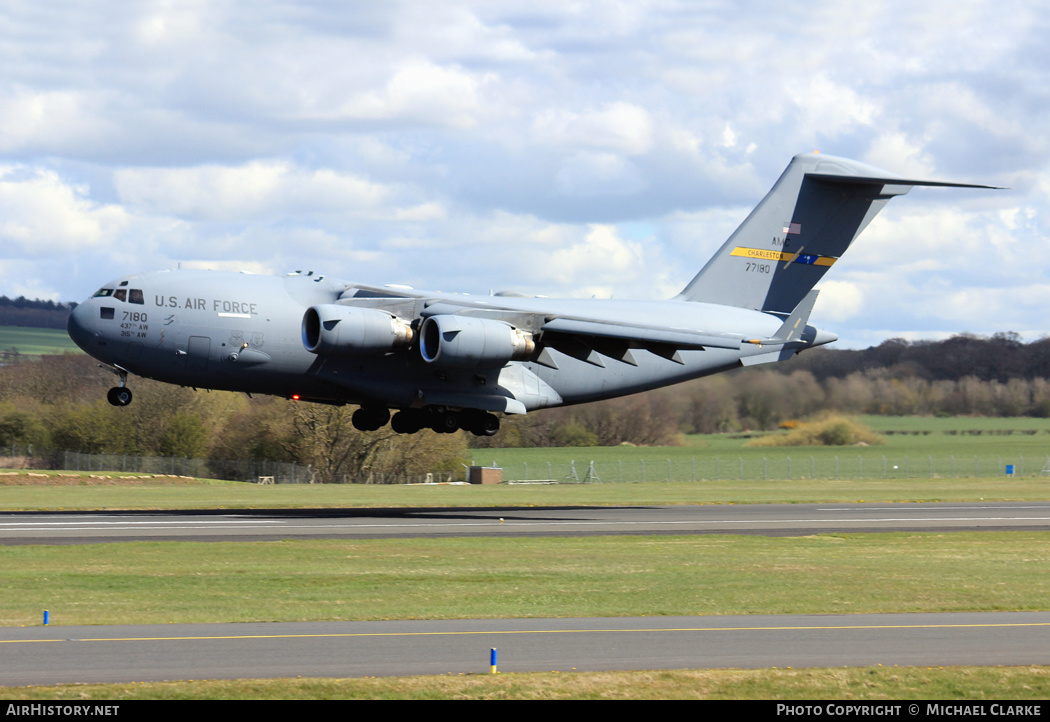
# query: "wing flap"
642,335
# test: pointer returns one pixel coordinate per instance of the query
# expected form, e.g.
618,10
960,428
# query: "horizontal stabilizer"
890,179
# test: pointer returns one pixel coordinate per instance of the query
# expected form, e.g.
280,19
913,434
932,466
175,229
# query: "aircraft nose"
80,326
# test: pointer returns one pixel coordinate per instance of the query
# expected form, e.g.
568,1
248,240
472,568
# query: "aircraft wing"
590,340
679,338
585,338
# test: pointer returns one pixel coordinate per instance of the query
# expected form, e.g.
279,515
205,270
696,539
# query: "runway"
766,519
51,655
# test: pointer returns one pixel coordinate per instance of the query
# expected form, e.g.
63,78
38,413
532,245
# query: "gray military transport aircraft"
447,361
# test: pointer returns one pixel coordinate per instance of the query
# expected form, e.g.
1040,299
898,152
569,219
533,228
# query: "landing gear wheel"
370,419
480,423
408,421
119,396
445,422
489,425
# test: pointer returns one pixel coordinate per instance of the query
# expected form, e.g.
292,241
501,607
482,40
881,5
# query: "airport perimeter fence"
229,469
251,470
727,468
786,467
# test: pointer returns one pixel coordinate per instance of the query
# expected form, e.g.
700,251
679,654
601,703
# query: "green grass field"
466,578
35,341
914,448
842,684
15,496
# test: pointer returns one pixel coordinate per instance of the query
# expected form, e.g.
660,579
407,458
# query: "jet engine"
466,342
330,329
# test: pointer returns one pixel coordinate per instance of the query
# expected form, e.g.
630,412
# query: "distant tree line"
1000,357
964,375
35,313
59,401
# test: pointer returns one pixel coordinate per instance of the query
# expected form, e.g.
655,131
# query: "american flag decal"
793,228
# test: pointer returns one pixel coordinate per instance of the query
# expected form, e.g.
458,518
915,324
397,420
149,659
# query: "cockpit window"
121,294
103,292
135,296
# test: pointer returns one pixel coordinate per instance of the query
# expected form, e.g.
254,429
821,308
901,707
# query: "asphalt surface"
48,655
766,519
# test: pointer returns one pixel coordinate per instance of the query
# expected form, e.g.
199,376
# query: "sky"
588,149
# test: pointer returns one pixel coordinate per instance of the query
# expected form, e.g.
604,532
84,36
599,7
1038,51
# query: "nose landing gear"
119,395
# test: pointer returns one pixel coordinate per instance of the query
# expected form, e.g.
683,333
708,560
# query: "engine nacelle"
467,342
334,330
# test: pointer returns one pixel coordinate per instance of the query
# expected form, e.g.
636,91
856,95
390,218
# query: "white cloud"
621,127
42,215
257,267
838,301
255,191
419,91
831,106
53,121
600,257
593,174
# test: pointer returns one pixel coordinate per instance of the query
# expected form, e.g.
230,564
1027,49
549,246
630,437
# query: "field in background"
914,448
34,342
923,459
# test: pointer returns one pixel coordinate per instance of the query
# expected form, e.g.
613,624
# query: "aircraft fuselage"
243,332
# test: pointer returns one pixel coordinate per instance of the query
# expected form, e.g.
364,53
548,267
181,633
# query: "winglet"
795,324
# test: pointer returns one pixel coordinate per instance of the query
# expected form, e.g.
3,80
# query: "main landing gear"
443,421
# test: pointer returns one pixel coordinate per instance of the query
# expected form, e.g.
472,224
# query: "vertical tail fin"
805,223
